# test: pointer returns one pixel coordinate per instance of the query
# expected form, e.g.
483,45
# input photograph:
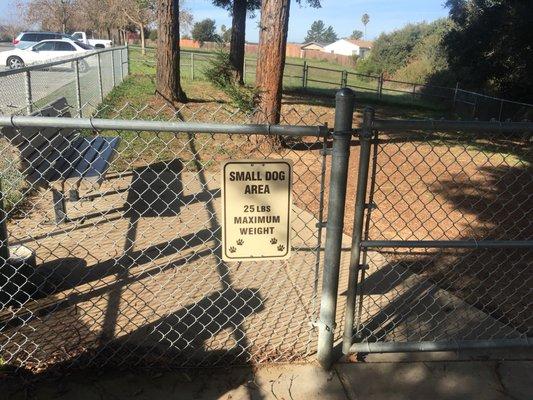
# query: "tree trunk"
271,58
168,53
143,48
237,42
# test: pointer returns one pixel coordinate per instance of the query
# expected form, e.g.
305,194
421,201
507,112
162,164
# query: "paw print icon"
240,242
281,247
273,241
232,249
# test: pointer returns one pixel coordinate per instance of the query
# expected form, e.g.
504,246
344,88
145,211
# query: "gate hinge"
326,152
322,224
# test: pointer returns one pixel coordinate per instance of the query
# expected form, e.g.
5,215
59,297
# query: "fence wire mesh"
134,275
435,186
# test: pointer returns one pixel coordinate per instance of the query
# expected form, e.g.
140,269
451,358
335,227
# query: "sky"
343,15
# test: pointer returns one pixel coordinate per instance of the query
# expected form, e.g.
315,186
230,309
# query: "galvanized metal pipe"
449,345
100,84
344,107
444,125
4,244
121,66
450,244
78,87
113,69
27,87
162,126
127,59
357,233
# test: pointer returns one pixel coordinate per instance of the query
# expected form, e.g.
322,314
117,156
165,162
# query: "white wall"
342,47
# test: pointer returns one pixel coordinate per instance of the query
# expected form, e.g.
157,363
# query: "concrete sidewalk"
391,377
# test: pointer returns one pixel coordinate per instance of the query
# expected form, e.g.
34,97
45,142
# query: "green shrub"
153,35
412,53
220,73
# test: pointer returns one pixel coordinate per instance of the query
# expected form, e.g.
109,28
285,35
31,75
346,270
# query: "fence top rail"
363,75
34,67
162,126
422,85
494,98
448,125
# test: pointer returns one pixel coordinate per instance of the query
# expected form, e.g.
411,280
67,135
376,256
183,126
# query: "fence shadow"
185,335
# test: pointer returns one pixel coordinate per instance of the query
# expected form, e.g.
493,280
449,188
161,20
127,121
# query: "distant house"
313,46
349,47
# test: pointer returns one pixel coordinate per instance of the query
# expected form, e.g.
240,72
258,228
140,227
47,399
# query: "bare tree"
54,15
141,13
168,84
11,21
186,19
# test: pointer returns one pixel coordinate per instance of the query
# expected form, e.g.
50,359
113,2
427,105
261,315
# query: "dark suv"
26,39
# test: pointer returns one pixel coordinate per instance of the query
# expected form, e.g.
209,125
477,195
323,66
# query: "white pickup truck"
97,43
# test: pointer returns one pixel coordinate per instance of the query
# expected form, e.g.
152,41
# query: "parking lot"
4,46
48,84
43,84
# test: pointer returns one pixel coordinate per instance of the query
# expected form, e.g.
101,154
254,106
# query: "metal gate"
442,244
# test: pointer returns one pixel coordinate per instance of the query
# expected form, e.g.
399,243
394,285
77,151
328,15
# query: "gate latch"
363,267
371,206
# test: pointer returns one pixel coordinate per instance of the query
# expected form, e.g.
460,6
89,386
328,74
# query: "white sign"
256,210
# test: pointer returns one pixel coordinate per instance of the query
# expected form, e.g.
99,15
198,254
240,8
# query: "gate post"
344,106
4,245
360,203
100,84
78,87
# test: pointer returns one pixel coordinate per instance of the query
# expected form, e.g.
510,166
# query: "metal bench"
61,159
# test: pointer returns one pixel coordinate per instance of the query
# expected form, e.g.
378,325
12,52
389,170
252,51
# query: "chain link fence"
444,238
111,252
84,81
319,79
114,242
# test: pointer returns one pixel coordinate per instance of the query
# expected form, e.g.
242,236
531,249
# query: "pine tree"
315,33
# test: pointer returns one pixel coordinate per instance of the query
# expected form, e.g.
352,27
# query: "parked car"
97,43
44,51
27,39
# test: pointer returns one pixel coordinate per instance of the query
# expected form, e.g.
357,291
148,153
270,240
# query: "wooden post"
344,79
192,66
455,94
4,245
304,72
380,85
501,110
